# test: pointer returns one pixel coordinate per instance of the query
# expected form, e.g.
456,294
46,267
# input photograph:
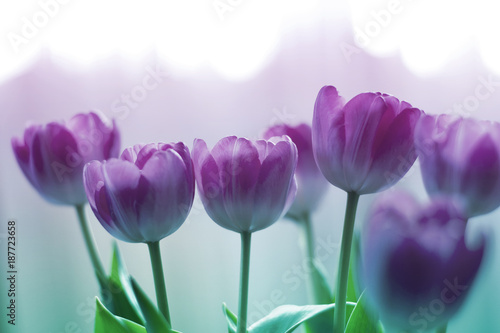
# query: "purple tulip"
246,186
461,158
366,144
52,157
416,265
145,195
311,184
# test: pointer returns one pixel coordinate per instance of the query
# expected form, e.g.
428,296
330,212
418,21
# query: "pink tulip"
246,186
52,156
145,195
311,184
461,158
364,145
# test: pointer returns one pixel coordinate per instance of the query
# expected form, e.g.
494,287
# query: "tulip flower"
311,187
245,186
143,196
461,158
52,158
366,144
362,146
416,265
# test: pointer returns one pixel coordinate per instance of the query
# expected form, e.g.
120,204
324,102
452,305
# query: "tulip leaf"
117,292
155,321
106,322
362,321
324,321
232,320
287,318
323,293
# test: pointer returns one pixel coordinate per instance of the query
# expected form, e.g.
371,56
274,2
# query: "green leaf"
232,320
360,320
155,321
287,318
106,322
324,321
117,292
323,293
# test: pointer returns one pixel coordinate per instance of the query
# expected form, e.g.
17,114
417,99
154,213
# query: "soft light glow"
16,51
240,46
488,39
237,38
427,34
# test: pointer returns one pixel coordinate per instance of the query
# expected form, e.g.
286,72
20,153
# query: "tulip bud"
246,186
145,195
364,145
416,266
461,158
52,156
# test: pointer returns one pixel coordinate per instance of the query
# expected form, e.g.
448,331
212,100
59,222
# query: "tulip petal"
328,136
169,196
363,113
127,190
481,176
130,153
239,180
96,138
209,187
276,174
395,153
144,154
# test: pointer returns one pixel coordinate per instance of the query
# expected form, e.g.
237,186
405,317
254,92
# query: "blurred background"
179,70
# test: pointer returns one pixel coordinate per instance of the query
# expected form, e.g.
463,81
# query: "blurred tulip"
364,145
417,267
311,184
246,186
52,156
145,195
461,158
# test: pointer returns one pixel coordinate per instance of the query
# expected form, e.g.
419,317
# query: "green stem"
90,243
159,279
246,238
316,292
442,329
345,254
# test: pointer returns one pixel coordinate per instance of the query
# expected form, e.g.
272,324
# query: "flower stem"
246,238
316,293
159,279
345,254
90,243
